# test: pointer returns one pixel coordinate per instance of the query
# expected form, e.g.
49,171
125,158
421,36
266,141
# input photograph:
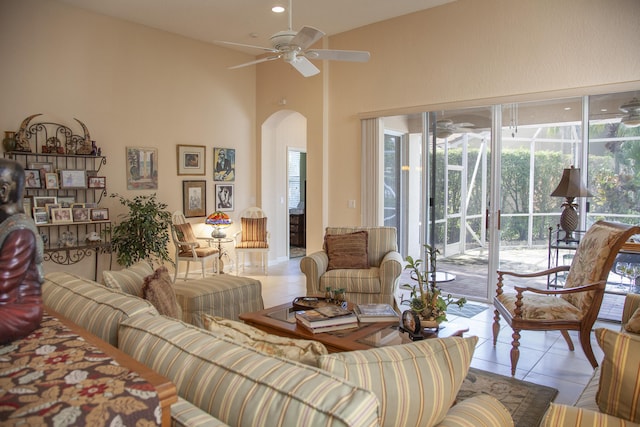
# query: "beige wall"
132,86
464,53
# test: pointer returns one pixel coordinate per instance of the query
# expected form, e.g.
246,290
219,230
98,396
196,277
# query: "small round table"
218,241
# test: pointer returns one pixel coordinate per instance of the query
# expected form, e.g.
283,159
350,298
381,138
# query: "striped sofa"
624,351
375,284
221,382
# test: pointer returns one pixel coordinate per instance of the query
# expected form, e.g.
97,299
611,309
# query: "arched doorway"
281,132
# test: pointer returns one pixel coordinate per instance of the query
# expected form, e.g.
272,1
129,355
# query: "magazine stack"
326,319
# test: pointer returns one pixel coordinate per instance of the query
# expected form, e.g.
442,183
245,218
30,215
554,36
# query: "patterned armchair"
576,306
377,265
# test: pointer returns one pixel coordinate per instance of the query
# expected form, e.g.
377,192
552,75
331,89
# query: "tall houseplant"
143,232
426,298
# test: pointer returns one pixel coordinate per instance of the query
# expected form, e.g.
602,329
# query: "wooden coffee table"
280,320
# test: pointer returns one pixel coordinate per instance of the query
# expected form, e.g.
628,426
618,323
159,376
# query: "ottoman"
221,295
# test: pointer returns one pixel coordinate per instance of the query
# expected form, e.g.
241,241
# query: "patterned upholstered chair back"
253,237
593,260
382,240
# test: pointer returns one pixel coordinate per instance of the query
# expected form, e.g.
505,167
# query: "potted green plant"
143,232
427,299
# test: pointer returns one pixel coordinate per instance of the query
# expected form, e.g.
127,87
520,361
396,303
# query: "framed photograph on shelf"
194,198
97,182
27,205
142,168
43,201
73,178
40,216
100,214
51,181
224,164
32,178
224,197
59,215
66,201
80,214
191,160
43,167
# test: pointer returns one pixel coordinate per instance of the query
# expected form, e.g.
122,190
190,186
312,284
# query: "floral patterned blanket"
54,377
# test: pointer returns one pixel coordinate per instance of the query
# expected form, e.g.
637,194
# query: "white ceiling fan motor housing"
282,39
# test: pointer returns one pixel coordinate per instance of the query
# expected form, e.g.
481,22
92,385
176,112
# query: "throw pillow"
304,351
619,388
415,383
347,250
129,280
633,325
158,290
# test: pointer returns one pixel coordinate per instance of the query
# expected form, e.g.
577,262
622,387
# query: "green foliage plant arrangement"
426,298
143,232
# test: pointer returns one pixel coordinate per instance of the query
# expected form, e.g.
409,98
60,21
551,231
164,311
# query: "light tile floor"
544,356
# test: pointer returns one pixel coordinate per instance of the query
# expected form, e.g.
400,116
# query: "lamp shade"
219,219
571,185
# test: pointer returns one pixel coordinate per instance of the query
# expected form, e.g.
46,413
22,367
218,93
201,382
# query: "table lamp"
220,221
570,187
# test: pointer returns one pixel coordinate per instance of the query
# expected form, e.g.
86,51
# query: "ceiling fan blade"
267,49
304,66
306,37
338,55
257,61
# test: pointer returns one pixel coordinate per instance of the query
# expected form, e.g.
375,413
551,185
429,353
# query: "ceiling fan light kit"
292,47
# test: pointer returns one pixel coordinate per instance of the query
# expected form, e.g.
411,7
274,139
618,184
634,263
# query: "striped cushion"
241,386
91,305
619,390
571,416
184,414
481,410
254,229
129,280
222,295
633,325
416,383
185,234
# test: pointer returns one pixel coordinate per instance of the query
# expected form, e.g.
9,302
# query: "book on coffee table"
368,313
325,316
331,328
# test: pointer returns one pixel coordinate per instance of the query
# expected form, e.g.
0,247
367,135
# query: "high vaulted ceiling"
252,21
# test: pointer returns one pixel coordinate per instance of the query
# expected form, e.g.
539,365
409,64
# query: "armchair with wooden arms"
576,306
187,246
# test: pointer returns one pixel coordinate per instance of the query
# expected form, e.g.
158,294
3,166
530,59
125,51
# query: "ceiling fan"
293,47
447,127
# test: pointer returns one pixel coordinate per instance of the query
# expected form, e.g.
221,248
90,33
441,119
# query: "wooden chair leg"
567,338
515,351
496,326
585,341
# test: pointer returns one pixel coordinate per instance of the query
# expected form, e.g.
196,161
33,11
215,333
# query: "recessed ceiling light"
567,108
277,9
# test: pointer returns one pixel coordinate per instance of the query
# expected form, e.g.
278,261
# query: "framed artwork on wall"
224,164
224,197
192,160
194,198
142,168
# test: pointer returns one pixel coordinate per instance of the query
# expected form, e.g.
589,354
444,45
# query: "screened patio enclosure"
477,182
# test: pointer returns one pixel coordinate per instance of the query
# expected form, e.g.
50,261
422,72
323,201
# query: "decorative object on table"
142,168
191,160
22,137
224,197
143,231
220,221
570,187
311,302
368,313
194,198
9,141
224,164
